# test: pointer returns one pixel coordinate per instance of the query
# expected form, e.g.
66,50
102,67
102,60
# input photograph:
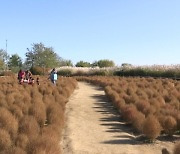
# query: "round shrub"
151,127
170,125
38,111
8,122
22,141
129,113
138,122
43,145
29,126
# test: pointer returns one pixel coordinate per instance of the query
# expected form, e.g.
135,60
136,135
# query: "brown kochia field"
32,116
151,106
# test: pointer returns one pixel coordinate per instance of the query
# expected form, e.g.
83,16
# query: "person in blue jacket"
53,76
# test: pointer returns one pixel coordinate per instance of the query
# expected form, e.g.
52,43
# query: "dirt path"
93,126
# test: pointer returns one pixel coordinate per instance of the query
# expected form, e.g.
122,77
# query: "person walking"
53,76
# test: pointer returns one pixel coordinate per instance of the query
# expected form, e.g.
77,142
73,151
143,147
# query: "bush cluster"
151,105
32,116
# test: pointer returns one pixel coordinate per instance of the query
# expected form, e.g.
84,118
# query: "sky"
139,32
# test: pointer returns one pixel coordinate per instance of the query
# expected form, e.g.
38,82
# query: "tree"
126,65
41,56
64,62
94,64
83,64
3,59
15,62
105,63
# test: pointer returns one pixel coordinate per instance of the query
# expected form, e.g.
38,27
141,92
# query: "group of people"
26,77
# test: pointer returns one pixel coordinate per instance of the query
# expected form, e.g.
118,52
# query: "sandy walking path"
93,126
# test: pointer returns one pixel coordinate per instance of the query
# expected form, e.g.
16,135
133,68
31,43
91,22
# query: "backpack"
55,76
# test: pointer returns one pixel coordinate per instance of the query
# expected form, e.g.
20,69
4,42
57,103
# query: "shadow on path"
114,123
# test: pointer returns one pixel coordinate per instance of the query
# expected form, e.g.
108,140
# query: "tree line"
40,56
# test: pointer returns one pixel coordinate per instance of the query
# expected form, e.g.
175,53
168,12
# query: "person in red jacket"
21,76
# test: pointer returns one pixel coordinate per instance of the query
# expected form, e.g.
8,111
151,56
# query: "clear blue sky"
139,32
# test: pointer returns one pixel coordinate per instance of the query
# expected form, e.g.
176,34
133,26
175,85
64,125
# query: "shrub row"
32,116
150,105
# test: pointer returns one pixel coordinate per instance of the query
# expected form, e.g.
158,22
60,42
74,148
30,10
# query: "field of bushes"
32,116
151,106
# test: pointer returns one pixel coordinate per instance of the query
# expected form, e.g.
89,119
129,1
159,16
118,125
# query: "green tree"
42,56
94,64
3,59
15,62
105,63
83,64
64,62
126,65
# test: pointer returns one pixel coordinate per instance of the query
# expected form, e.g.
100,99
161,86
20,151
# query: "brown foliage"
138,122
38,111
22,141
129,113
143,106
5,140
8,122
177,148
170,125
29,126
15,150
44,145
55,114
16,111
151,127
